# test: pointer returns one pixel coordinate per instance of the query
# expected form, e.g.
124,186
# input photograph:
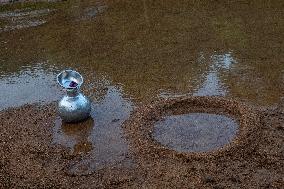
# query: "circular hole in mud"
195,132
191,127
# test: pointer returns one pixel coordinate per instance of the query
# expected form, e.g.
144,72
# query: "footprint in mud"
23,18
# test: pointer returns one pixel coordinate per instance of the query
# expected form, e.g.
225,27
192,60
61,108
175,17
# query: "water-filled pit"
195,132
190,126
149,49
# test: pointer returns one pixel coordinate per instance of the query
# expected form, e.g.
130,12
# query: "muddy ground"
24,1
254,159
154,49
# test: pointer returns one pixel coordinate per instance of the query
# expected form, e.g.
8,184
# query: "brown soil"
24,1
253,160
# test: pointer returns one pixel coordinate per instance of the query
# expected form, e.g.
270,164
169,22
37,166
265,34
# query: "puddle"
23,18
20,86
100,139
175,50
195,132
74,136
150,49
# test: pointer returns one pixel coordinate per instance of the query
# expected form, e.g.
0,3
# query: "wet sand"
133,52
254,159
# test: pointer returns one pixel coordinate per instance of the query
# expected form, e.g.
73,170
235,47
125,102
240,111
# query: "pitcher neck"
73,92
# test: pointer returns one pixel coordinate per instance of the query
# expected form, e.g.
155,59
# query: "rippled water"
139,50
20,19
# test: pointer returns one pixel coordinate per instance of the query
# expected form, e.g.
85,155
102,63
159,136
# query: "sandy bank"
253,160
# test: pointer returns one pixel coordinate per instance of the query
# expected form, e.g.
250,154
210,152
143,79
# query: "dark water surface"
139,51
151,48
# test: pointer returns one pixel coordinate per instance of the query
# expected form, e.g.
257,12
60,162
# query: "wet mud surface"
131,53
253,159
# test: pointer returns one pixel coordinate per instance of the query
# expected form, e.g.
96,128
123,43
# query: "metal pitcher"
74,106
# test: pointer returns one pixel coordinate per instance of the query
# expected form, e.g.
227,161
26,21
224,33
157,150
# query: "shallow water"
195,132
143,49
31,84
160,48
25,18
100,138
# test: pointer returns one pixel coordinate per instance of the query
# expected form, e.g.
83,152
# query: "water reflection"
74,136
32,84
25,18
213,84
150,48
101,137
195,132
155,48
